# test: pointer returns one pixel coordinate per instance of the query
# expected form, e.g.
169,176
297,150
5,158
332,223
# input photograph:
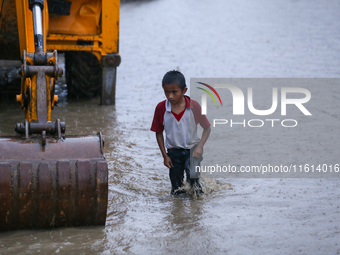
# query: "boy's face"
174,93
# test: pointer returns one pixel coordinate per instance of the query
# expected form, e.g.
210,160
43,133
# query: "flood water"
219,38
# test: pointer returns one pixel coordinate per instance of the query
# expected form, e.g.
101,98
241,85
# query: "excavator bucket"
46,178
61,184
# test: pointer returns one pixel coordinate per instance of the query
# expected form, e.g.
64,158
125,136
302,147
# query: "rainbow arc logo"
209,93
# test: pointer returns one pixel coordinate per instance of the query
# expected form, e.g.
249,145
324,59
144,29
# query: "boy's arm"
160,141
198,152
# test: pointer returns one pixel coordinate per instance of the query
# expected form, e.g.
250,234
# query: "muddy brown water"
236,216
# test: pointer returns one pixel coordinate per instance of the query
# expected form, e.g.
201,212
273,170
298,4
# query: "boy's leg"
176,173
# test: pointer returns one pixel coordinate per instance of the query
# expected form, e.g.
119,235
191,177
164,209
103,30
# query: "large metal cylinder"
62,184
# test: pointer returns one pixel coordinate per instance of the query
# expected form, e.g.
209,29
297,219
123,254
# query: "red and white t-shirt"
180,129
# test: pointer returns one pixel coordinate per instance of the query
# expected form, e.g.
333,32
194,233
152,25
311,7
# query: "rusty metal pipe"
33,128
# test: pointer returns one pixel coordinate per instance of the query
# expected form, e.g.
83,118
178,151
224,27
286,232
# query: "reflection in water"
61,241
185,214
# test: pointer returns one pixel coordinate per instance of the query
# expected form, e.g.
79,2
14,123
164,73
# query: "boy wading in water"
178,115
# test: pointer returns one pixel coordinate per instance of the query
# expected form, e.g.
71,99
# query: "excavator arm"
39,72
47,179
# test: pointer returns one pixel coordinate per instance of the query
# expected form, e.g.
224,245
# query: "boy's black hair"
174,77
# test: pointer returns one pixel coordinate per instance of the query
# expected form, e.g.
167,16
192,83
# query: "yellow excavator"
48,179
86,31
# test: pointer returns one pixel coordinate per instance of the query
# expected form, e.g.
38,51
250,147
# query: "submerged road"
221,39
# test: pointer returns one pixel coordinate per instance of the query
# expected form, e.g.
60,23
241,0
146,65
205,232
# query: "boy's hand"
168,162
198,152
